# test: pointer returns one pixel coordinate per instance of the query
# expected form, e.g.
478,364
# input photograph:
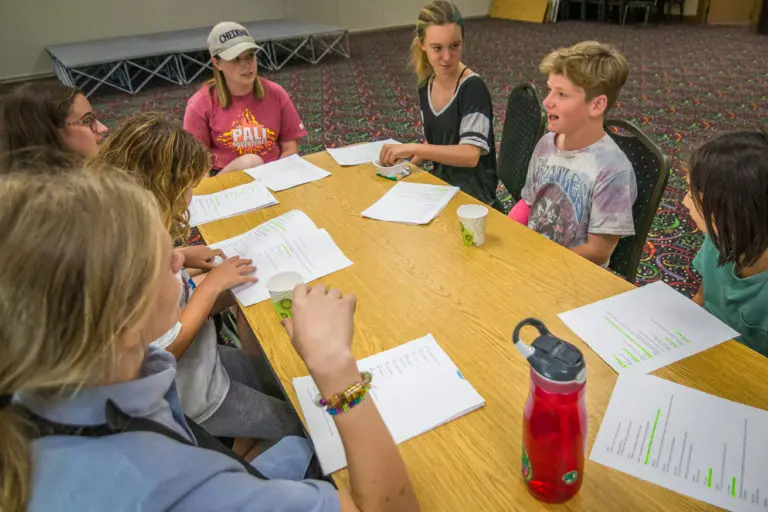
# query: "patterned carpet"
687,84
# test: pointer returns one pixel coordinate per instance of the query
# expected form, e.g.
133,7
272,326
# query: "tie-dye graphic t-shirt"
247,126
574,193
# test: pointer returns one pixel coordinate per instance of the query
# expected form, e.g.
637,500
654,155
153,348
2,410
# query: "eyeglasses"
88,120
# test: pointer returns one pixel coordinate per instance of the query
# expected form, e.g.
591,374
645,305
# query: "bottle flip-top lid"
551,357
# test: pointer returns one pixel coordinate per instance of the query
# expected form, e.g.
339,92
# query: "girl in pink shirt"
245,120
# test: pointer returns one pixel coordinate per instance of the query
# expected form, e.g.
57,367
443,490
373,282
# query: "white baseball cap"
228,39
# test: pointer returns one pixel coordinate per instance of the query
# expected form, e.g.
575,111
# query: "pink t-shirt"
248,126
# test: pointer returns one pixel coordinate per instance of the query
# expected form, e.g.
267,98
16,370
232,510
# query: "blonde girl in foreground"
90,419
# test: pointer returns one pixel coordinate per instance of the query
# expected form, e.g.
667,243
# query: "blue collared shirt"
147,471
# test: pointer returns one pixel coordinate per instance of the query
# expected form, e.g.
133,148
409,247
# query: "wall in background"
28,26
357,15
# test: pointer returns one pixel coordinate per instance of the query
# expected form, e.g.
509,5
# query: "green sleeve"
705,256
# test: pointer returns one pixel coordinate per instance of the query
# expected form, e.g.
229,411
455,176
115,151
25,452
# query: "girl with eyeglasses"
245,120
47,123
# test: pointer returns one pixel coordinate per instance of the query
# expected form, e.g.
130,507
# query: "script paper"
691,442
228,203
286,173
288,242
647,328
419,364
360,153
411,203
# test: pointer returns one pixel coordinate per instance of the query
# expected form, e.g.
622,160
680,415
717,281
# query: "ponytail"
419,61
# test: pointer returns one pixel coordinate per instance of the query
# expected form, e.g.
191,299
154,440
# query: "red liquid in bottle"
554,437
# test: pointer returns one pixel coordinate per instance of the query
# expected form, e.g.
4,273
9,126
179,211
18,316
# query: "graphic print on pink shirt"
248,136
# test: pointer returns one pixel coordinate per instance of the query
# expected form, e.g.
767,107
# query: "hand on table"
230,273
201,257
392,153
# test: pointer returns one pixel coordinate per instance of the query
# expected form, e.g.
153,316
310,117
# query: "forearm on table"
458,155
192,318
378,478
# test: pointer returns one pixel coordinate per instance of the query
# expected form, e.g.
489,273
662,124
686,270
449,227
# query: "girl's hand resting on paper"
321,331
392,153
200,257
230,273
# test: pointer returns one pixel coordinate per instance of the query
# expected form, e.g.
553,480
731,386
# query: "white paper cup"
472,218
280,287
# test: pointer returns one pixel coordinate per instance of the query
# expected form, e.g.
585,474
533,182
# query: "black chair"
524,125
601,8
626,5
651,173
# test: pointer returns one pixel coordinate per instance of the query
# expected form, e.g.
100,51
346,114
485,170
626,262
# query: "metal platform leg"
339,46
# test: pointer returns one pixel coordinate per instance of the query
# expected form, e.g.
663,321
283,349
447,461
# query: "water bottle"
555,416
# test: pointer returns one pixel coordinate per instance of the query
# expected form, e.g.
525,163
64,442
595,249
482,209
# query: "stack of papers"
691,442
228,203
288,242
286,173
411,203
647,328
418,365
359,154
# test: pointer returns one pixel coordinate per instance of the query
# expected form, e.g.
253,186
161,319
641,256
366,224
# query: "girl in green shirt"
728,200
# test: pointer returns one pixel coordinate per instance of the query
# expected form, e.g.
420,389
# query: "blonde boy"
580,186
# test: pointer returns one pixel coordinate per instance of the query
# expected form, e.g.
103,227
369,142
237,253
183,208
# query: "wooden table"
414,280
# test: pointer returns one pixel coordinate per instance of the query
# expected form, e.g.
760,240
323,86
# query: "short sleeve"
707,253
291,126
614,194
528,194
240,491
197,116
475,113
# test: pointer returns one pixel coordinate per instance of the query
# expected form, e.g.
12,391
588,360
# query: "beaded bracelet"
344,401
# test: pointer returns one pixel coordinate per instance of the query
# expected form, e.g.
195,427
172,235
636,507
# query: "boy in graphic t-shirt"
244,119
580,186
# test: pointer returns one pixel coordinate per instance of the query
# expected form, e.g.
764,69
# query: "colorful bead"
343,402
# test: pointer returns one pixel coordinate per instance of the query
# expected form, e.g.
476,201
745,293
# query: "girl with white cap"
246,120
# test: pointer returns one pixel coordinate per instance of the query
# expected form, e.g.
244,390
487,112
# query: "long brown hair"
80,269
218,85
30,119
163,158
439,12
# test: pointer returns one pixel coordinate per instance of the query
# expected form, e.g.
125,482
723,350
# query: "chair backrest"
651,173
524,125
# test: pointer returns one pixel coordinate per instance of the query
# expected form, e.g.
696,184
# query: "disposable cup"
472,218
280,287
